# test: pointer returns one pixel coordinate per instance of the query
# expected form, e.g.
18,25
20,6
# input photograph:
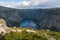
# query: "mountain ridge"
45,17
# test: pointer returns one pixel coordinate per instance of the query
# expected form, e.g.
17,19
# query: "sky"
24,4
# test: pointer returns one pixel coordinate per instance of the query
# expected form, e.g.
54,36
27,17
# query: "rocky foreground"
17,33
30,34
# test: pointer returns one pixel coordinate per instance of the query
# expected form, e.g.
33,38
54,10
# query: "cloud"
52,4
32,4
15,4
37,2
8,4
25,3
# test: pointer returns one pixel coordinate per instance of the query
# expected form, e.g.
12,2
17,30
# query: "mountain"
45,17
10,15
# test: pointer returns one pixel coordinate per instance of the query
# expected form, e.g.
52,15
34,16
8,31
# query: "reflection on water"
28,24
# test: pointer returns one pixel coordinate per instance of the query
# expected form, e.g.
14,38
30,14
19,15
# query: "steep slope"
10,15
45,17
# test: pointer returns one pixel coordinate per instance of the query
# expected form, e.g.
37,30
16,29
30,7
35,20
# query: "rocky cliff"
45,17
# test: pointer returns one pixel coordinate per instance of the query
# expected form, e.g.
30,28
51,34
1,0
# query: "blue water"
28,24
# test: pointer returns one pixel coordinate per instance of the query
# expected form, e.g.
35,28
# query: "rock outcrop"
3,27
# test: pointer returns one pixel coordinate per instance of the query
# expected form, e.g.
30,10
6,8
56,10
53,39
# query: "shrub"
23,36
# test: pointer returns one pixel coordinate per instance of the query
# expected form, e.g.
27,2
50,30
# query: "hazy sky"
30,3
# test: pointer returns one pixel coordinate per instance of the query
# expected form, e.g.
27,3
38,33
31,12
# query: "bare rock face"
3,27
2,22
46,18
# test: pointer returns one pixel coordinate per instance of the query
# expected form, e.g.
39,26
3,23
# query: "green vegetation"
38,35
23,36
